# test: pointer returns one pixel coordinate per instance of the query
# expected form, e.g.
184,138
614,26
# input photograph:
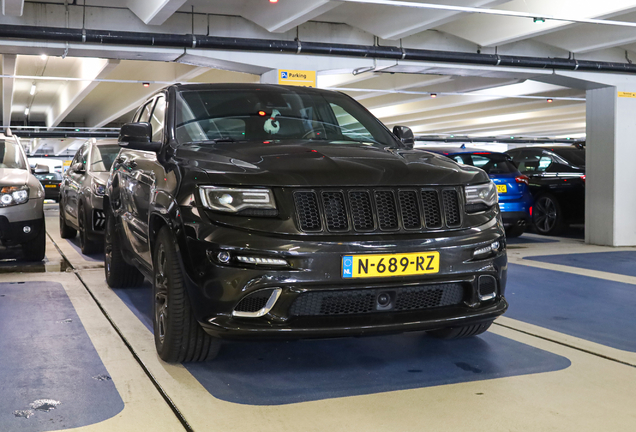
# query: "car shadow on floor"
284,372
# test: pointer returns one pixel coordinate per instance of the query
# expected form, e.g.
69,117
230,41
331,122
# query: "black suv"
267,211
557,184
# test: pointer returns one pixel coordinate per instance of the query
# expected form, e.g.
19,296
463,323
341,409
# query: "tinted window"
10,156
276,115
145,112
574,156
103,157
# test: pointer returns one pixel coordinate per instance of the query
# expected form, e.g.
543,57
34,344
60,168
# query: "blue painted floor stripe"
594,309
45,353
284,372
97,257
623,262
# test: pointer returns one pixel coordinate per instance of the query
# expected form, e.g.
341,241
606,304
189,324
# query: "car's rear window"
49,176
492,163
575,156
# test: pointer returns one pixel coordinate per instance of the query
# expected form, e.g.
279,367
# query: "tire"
515,231
178,335
66,232
87,245
36,248
547,215
460,332
119,274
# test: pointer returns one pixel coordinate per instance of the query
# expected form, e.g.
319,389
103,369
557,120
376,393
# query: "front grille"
362,301
378,210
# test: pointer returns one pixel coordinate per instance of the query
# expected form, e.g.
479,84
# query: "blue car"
515,200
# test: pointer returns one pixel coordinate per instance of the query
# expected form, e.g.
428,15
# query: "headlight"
99,189
255,202
481,197
13,195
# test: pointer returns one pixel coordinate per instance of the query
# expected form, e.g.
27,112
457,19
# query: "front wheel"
87,245
178,335
547,216
461,331
119,274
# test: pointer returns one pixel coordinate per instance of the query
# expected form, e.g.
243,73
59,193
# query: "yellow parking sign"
297,78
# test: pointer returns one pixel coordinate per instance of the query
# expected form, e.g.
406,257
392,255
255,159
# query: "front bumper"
12,233
216,289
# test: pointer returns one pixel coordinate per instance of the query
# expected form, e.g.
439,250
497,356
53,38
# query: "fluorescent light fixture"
32,92
26,111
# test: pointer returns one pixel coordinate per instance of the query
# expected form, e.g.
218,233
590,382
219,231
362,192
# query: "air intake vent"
410,210
432,214
451,208
361,211
387,212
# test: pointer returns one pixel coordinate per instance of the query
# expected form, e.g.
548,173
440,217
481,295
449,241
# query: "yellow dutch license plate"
417,263
50,186
502,188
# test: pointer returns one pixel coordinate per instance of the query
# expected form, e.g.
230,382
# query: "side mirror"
405,135
40,169
137,136
78,168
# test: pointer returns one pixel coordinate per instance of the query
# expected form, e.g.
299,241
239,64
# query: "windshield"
49,176
102,157
492,163
575,156
10,156
275,115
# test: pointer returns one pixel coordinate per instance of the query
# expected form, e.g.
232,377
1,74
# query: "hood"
13,177
312,163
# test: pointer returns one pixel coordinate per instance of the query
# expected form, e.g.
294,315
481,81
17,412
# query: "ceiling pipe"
298,47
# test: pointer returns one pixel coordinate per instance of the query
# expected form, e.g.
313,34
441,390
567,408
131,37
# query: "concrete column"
610,206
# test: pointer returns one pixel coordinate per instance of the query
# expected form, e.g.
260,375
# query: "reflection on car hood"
312,163
13,177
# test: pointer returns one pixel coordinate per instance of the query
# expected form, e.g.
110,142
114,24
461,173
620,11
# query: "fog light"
261,261
26,229
493,247
223,257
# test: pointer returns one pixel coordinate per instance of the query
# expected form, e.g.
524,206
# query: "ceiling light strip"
534,16
407,92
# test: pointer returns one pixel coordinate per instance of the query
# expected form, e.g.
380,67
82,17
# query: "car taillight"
583,178
530,210
523,179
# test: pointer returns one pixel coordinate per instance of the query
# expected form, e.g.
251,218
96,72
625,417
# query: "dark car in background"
515,199
268,211
82,194
557,183
51,182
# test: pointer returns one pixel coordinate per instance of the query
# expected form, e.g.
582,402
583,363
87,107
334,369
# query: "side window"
528,161
544,163
145,112
158,118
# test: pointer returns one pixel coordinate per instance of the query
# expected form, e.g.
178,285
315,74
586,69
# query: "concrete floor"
563,358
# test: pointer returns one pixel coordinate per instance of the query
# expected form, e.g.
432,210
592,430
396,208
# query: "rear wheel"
547,215
36,248
66,232
119,274
461,331
87,245
178,335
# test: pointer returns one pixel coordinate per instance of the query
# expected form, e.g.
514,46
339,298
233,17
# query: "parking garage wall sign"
297,78
627,94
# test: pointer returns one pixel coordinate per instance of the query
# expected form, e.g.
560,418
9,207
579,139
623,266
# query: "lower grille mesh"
361,301
254,302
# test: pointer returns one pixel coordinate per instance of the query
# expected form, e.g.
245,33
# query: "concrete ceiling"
475,101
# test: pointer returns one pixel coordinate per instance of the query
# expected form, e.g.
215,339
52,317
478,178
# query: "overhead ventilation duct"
298,47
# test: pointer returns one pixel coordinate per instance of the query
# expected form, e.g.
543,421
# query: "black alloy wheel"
66,232
86,245
547,216
178,335
119,274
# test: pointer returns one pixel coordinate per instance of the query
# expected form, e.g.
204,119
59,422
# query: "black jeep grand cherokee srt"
266,211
